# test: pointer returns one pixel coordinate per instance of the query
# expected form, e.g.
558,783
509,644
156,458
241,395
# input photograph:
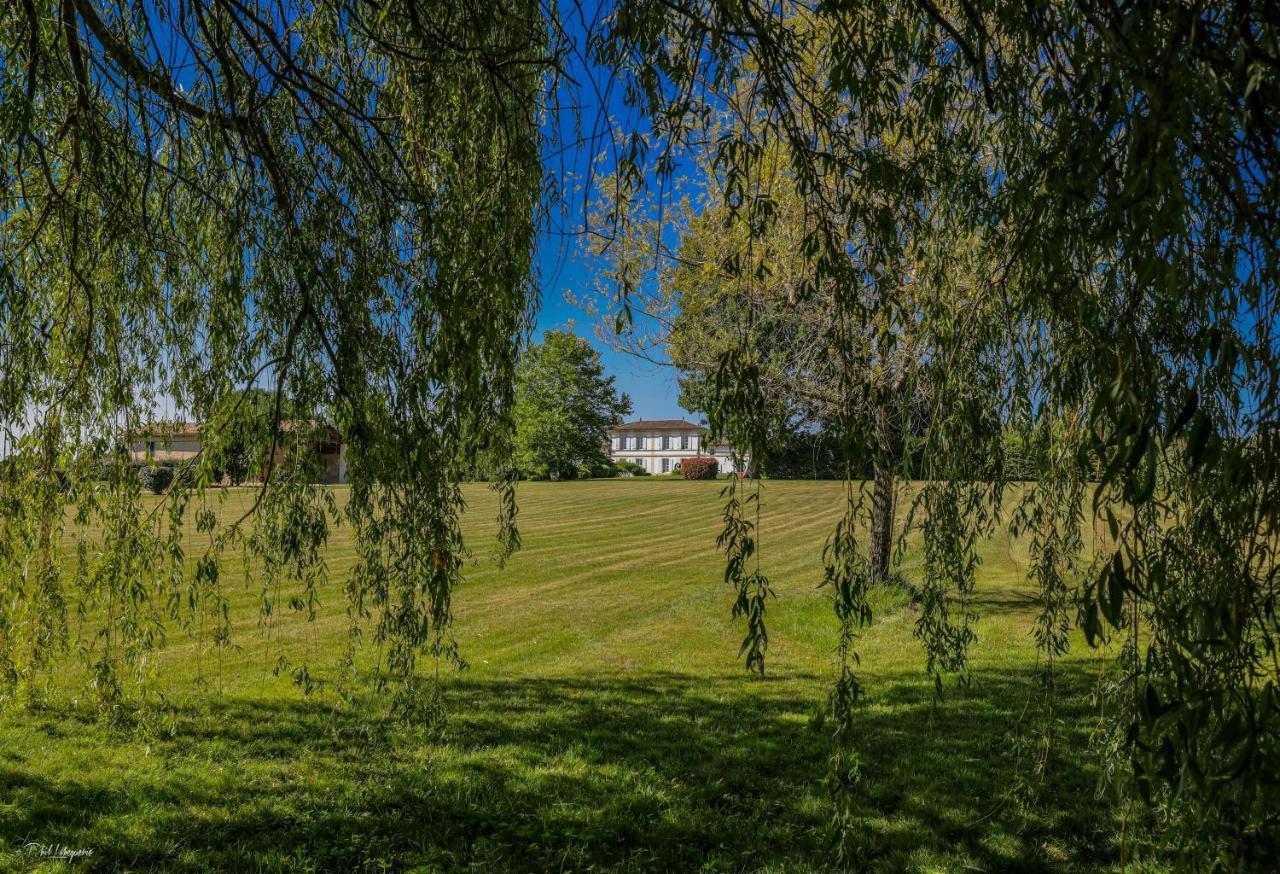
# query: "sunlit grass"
605,722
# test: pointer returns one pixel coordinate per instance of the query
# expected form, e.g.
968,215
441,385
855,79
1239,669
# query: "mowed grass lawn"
605,722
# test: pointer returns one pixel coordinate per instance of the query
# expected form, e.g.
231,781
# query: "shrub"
811,455
236,463
628,468
155,478
185,474
699,468
62,479
597,471
106,470
1023,454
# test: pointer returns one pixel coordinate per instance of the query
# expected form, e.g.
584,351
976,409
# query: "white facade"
660,446
162,448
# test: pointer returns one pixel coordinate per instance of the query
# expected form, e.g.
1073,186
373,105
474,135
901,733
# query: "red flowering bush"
699,468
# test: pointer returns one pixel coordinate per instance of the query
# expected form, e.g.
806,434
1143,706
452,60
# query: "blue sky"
595,98
593,101
652,388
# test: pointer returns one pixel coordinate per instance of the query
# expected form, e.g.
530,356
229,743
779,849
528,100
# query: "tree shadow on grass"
1003,601
621,772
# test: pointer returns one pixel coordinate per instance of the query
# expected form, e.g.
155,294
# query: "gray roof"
657,425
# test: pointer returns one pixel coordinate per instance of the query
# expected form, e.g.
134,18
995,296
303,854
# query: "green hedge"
155,477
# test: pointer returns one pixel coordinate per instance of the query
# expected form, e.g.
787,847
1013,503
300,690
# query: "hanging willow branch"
1084,195
275,218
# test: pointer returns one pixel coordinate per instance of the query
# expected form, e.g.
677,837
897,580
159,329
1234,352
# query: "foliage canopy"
1071,204
564,407
333,201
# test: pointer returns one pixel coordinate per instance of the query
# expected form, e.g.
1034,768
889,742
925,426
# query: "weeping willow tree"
337,201
334,202
1086,218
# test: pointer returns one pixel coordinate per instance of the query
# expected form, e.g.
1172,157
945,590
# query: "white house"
659,445
183,441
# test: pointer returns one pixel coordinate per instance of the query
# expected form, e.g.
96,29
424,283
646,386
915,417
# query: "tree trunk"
889,433
883,505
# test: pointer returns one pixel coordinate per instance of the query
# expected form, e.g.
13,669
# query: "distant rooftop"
657,425
194,429
169,429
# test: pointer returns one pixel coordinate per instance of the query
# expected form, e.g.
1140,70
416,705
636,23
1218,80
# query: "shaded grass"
605,724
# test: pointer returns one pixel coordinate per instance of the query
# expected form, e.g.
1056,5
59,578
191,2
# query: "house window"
615,443
631,443
684,441
666,464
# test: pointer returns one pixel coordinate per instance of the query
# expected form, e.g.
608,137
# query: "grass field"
604,724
